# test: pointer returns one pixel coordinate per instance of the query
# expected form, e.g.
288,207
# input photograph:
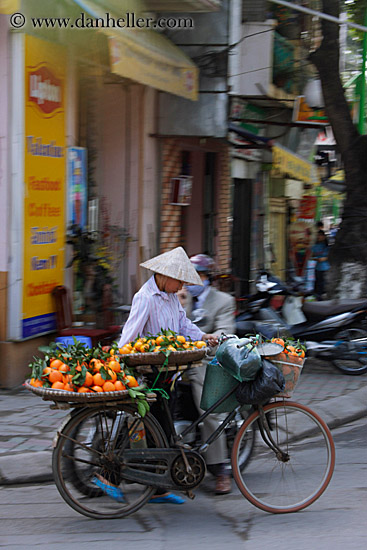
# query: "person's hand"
211,339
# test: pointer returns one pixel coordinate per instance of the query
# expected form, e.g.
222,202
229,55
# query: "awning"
146,56
288,163
9,6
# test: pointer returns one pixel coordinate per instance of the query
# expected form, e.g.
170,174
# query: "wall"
182,225
252,74
4,171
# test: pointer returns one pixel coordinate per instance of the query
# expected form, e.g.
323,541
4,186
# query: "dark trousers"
319,284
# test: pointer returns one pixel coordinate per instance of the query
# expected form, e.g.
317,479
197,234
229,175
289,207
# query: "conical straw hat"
175,264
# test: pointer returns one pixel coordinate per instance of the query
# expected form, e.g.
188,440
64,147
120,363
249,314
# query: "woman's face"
167,284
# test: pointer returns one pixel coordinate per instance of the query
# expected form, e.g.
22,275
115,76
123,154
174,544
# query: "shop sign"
287,163
181,190
151,59
307,208
44,176
77,186
302,112
241,109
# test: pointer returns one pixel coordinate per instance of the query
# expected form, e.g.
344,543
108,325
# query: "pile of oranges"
293,351
95,375
166,340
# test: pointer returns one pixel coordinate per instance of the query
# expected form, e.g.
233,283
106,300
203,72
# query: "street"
36,516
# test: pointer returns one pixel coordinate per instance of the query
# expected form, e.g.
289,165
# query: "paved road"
35,516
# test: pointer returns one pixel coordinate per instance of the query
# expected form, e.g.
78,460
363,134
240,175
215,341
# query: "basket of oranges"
290,361
79,374
165,348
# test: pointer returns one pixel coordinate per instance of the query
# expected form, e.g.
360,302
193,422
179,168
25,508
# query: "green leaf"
141,409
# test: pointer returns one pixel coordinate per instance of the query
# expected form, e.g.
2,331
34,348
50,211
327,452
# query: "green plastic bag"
239,358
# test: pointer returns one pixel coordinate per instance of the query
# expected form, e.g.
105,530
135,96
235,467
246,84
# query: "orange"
96,388
112,352
69,387
279,341
98,380
157,348
56,376
171,348
125,349
159,340
108,386
119,386
36,383
181,339
55,363
115,366
83,389
95,364
200,344
88,379
144,348
64,368
68,379
46,370
138,345
131,381
57,386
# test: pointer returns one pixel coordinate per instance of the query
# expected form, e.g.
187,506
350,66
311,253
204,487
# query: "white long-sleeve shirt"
153,310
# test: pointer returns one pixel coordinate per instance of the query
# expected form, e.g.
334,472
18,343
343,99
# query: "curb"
36,467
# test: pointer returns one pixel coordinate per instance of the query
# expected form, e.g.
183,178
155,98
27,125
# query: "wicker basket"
49,394
157,358
291,367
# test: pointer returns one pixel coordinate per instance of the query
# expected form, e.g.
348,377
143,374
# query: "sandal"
110,490
170,498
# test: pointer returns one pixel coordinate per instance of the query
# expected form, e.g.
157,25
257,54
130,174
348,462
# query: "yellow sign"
151,59
44,182
9,6
287,163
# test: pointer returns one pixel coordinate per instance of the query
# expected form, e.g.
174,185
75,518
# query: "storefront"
79,147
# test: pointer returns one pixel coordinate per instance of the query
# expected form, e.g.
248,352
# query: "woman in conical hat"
156,306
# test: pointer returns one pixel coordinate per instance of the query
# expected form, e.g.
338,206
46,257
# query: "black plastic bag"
269,382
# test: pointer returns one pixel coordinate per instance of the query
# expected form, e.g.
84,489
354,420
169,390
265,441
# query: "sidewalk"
28,425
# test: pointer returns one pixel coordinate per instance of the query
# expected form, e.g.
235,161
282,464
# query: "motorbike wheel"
352,367
247,443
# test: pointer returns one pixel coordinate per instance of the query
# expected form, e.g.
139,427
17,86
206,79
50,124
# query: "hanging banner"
44,182
77,186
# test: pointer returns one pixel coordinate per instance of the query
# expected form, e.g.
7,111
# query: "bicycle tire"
346,365
247,444
278,486
100,455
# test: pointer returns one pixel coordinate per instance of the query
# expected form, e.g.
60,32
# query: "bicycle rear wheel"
294,479
92,444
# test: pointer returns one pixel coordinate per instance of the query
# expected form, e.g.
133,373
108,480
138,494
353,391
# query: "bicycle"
284,475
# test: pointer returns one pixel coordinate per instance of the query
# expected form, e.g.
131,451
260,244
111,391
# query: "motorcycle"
332,331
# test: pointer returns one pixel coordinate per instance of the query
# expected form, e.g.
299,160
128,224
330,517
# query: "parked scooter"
334,331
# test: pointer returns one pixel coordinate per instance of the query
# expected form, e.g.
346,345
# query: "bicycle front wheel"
292,479
91,445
